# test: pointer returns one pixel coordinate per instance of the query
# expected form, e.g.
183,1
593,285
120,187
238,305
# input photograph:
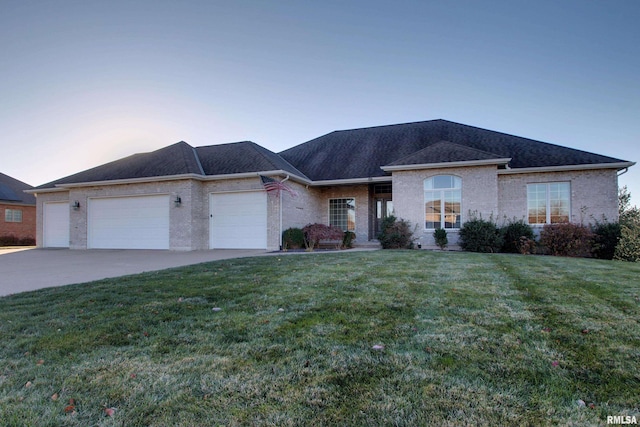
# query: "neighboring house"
18,209
434,173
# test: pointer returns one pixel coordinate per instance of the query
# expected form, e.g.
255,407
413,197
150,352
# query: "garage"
238,220
136,222
56,225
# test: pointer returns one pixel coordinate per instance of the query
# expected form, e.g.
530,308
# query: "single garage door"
56,225
238,220
140,222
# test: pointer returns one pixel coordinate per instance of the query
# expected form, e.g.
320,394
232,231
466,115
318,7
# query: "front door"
384,208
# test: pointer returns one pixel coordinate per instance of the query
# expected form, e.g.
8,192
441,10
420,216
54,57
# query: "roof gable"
445,152
12,191
241,157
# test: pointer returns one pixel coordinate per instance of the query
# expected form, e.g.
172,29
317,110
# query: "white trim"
442,203
566,168
349,181
502,161
547,207
355,224
62,187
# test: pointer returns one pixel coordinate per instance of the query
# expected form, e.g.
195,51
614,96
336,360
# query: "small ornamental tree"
314,233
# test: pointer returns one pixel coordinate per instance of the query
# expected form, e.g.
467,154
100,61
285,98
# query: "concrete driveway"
30,269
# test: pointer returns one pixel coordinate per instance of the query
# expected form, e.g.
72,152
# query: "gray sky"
86,82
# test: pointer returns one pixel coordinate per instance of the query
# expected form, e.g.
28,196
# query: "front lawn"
361,338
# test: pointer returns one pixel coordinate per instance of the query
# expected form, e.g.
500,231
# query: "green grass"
469,339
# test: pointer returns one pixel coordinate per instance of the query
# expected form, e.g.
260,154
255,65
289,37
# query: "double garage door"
140,222
236,221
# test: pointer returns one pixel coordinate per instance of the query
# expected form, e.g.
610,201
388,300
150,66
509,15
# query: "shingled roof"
241,157
182,159
447,152
360,153
347,154
12,191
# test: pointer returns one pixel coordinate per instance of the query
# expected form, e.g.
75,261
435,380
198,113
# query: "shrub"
479,235
395,234
347,240
440,236
9,240
292,238
27,241
574,240
628,248
314,233
526,246
605,239
518,237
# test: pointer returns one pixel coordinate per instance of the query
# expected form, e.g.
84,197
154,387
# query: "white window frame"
442,191
353,199
548,202
13,215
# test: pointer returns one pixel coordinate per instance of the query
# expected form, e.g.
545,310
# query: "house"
434,173
18,210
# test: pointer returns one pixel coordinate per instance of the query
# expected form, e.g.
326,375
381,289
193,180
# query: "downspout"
623,172
280,196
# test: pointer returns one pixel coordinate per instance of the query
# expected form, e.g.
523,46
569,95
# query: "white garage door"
140,222
238,220
56,225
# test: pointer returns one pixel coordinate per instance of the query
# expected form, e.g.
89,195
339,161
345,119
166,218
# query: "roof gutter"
502,161
65,187
618,166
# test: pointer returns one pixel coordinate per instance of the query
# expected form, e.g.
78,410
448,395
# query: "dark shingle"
241,157
360,153
445,152
176,159
12,190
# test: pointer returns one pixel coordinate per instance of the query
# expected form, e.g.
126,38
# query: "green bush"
628,248
574,240
292,238
605,239
440,236
517,236
347,240
395,234
479,235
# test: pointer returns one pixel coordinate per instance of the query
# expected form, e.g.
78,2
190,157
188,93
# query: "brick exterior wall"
484,191
594,194
479,195
21,230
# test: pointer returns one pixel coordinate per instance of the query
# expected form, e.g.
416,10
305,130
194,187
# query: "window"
442,201
549,203
13,215
342,213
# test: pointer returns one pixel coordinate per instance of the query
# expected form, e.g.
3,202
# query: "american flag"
271,184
